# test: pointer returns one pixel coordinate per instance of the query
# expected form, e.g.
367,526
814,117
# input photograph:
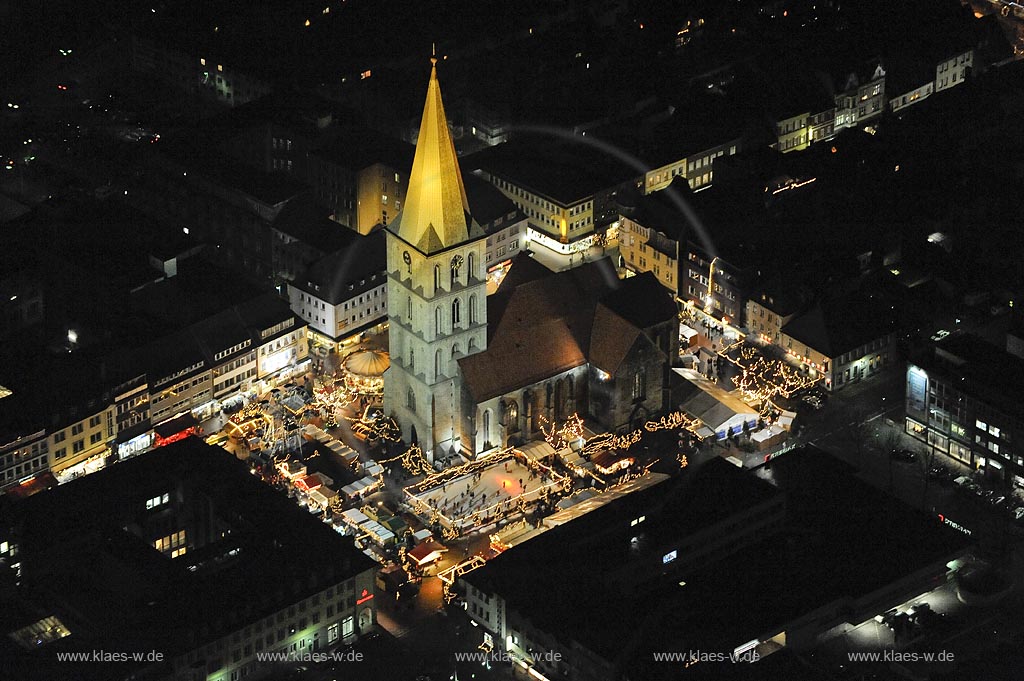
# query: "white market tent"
354,518
378,533
719,409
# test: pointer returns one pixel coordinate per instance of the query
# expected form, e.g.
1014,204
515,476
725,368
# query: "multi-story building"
24,447
183,529
505,224
649,240
361,176
860,95
248,348
80,438
769,311
842,340
655,236
133,431
206,75
710,282
565,189
961,401
344,294
279,341
918,77
954,69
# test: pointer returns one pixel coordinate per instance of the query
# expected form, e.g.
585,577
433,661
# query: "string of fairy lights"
763,380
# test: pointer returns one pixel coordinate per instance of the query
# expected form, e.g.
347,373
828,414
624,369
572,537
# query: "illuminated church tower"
437,305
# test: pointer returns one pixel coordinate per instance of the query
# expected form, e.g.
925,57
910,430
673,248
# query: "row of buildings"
117,405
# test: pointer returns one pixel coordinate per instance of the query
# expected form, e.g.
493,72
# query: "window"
77,429
438,359
78,446
456,312
437,277
640,385
410,401
981,425
472,309
437,320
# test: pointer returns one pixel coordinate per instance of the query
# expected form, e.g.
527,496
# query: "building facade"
960,403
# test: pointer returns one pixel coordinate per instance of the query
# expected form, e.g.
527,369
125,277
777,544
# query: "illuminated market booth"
364,372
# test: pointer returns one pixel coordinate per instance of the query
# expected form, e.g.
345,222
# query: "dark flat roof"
563,170
842,539
988,372
114,591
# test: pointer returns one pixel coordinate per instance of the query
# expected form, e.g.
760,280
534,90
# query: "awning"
175,425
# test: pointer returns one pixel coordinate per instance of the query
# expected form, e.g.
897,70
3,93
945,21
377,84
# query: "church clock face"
457,262
406,258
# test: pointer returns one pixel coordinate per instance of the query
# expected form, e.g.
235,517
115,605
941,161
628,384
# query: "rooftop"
561,320
562,167
840,324
986,371
88,558
842,539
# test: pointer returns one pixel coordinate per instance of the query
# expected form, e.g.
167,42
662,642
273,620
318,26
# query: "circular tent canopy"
364,372
367,363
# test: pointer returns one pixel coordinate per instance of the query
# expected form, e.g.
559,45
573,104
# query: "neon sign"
955,526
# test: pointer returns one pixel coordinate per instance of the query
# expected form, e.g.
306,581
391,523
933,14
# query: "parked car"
813,401
902,454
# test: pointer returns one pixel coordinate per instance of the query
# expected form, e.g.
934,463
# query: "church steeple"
435,215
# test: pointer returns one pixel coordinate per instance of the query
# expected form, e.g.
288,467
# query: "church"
471,372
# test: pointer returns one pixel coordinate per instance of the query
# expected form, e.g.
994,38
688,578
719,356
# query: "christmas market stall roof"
718,409
426,552
367,362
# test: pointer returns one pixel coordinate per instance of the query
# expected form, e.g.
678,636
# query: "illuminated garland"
676,419
559,438
762,379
